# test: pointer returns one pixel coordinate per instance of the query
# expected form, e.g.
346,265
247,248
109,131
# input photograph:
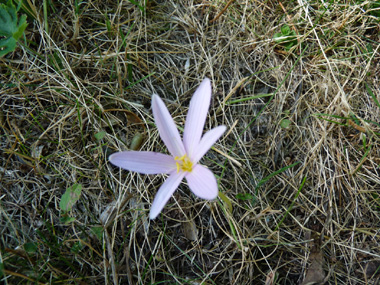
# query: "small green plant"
11,28
100,135
244,196
68,200
70,197
285,123
141,7
287,37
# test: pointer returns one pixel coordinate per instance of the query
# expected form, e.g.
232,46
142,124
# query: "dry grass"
303,201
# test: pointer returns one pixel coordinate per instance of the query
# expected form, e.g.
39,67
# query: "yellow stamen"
183,163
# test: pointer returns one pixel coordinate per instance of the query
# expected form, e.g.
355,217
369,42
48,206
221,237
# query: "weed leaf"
70,197
285,123
226,201
100,135
11,28
287,37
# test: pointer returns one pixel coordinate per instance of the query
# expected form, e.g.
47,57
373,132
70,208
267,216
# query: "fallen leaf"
315,273
190,230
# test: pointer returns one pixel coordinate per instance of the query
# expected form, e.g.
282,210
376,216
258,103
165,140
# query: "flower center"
183,163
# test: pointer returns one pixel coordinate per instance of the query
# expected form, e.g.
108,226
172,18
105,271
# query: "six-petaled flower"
185,155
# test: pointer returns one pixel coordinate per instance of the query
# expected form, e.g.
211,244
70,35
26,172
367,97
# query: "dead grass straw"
299,166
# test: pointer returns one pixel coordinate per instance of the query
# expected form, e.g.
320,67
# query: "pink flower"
185,155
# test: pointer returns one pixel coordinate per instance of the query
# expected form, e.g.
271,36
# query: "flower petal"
207,142
202,182
165,192
196,116
166,126
145,162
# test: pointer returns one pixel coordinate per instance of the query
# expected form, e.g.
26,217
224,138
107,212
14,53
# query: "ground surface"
295,82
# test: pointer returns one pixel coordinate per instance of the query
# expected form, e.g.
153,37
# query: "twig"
221,12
